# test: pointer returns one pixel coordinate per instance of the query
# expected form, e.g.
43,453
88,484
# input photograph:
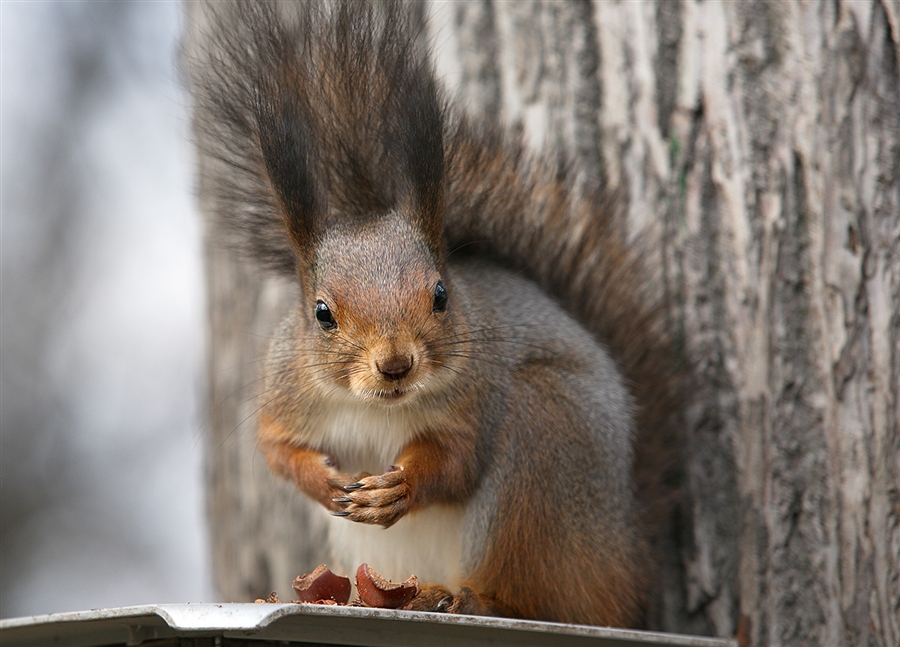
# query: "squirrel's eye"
324,316
440,298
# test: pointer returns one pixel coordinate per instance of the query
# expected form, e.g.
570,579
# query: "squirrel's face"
381,313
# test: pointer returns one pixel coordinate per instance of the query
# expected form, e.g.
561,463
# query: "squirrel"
473,367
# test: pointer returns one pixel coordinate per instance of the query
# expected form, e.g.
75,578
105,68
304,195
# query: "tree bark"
758,145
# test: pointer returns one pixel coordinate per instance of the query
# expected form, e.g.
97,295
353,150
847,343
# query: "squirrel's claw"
335,493
380,500
445,605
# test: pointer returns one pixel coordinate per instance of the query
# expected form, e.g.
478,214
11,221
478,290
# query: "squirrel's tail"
510,204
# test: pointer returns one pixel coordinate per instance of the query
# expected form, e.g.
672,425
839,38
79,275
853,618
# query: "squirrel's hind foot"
437,598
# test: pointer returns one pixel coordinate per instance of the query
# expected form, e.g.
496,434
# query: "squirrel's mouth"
389,392
392,394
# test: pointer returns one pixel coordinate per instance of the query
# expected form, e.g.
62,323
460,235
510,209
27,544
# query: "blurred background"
101,312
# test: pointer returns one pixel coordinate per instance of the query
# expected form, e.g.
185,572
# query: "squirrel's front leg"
316,474
426,472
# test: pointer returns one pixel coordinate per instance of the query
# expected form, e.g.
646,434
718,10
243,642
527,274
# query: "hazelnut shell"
322,585
376,591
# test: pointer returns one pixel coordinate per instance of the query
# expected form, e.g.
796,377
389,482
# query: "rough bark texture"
759,147
263,533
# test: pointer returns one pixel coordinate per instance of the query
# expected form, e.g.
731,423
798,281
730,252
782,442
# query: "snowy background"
101,300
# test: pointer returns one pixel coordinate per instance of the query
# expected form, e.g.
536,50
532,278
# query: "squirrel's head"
334,130
379,310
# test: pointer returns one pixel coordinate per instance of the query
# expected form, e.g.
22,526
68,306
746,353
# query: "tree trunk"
758,145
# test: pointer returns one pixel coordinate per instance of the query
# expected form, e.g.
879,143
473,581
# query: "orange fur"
313,472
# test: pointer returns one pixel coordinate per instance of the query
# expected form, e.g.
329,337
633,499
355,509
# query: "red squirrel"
472,354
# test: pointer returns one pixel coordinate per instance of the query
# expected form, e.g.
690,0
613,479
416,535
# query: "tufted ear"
289,149
253,118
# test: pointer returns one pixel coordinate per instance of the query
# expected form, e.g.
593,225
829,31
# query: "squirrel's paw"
378,500
335,481
434,597
334,489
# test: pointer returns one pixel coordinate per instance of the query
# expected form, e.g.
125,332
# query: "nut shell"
322,586
376,591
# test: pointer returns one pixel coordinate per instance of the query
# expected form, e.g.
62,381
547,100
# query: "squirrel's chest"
427,543
363,437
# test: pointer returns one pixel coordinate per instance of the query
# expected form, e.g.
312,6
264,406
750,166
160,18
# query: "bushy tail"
512,206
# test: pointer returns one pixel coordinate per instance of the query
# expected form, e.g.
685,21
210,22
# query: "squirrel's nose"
395,367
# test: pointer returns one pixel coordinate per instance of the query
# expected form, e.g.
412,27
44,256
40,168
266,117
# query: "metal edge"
508,624
131,625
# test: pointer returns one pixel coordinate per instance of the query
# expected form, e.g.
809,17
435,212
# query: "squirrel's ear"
419,132
252,116
288,145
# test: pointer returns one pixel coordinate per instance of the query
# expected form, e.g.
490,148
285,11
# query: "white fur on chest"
426,543
366,437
